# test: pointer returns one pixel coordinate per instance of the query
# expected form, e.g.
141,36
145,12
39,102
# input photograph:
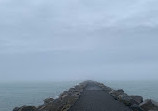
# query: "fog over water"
61,40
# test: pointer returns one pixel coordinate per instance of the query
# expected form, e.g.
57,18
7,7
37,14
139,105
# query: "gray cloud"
52,39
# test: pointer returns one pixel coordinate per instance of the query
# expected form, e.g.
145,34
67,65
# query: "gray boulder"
149,105
116,93
152,110
48,100
136,107
27,108
72,89
138,99
105,88
127,100
16,109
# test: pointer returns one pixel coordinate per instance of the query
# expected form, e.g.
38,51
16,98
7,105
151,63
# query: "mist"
52,40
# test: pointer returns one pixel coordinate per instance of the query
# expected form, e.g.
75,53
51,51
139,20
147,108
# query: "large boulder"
105,88
116,93
149,105
48,100
127,100
79,88
27,108
136,107
72,90
16,109
152,110
138,99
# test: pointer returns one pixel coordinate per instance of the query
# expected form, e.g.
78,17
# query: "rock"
127,100
27,108
105,88
16,109
66,107
152,110
149,105
62,103
138,99
116,93
76,94
79,88
48,100
64,93
136,107
72,89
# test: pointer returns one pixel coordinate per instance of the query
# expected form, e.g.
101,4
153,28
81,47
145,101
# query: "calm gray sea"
147,89
18,94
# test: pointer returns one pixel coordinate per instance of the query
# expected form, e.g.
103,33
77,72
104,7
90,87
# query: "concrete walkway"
94,98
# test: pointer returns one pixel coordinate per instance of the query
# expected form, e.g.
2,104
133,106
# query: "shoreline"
67,99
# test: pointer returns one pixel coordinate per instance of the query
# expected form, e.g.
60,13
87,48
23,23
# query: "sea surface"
18,94
147,89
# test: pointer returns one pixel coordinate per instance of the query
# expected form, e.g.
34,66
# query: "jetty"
93,96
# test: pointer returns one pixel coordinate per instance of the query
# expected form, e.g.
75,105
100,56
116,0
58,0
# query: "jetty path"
93,98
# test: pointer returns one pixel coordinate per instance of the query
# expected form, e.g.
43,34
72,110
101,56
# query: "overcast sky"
78,39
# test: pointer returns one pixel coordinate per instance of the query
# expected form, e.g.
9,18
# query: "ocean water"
18,94
147,89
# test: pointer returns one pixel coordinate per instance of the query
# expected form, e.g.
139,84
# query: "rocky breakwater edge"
68,98
134,102
62,103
